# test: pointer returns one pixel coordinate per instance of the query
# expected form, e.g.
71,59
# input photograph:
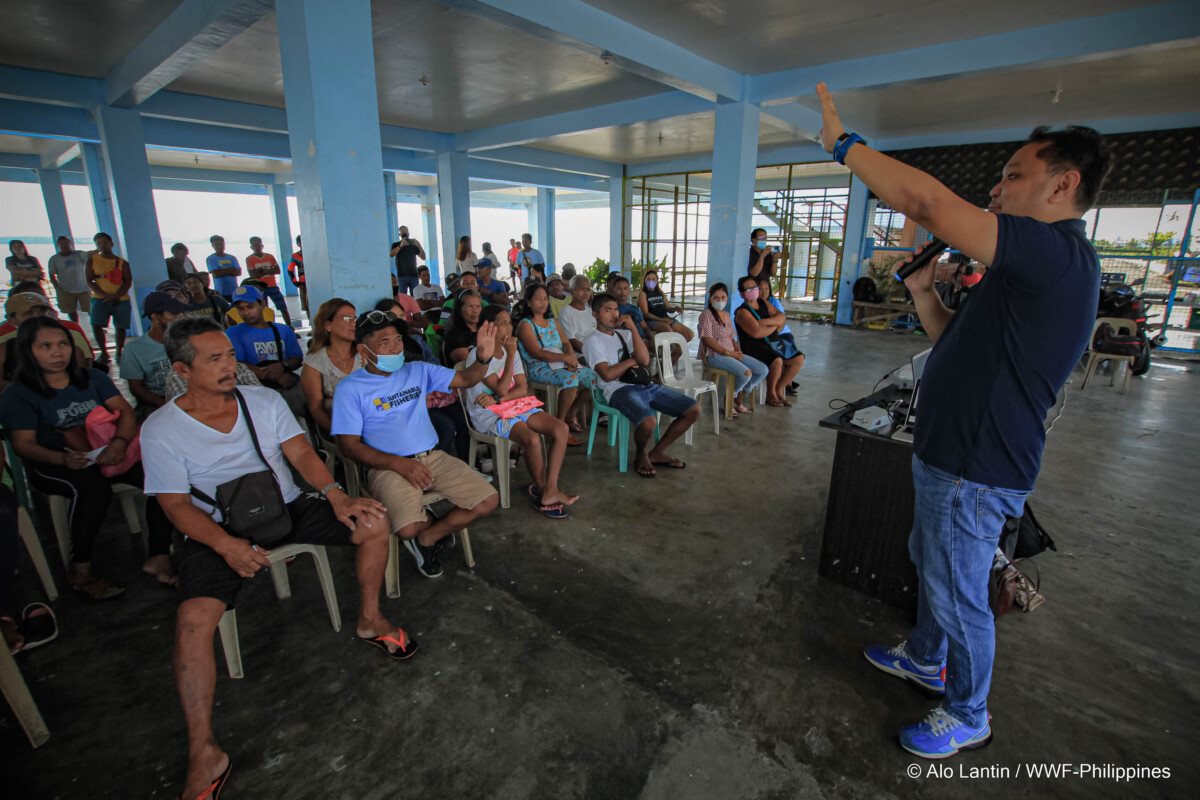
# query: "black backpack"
1024,537
864,291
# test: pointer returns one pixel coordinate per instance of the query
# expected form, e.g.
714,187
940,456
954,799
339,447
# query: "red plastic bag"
101,424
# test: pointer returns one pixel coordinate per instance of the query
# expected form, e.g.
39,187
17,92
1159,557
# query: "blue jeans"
742,381
407,285
276,297
956,527
639,402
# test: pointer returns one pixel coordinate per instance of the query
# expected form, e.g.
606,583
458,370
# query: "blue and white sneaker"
941,735
894,661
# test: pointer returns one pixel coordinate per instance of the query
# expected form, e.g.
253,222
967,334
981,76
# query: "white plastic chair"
283,590
500,454
550,391
16,692
689,384
60,509
1121,327
36,554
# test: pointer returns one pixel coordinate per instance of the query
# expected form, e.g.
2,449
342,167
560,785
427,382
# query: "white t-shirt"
430,292
482,418
179,451
467,264
603,348
578,324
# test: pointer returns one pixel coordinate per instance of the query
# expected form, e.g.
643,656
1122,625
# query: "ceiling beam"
17,83
626,112
1160,122
548,159
59,153
576,24
1155,27
194,31
803,121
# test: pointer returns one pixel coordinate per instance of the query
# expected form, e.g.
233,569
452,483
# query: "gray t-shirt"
331,376
70,271
146,360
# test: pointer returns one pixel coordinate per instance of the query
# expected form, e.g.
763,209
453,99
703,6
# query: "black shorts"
204,573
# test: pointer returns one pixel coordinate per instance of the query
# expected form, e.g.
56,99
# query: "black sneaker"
426,557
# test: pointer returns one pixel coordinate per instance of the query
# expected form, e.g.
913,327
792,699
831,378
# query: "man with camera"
998,361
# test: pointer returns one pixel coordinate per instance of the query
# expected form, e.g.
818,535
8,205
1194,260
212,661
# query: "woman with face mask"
759,325
719,348
656,307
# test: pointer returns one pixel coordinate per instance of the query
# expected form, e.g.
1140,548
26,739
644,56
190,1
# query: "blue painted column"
735,159
389,191
429,234
454,200
616,225
124,146
544,234
93,170
857,225
337,157
283,234
56,206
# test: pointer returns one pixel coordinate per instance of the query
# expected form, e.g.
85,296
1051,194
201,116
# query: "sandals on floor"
213,792
40,628
406,648
673,463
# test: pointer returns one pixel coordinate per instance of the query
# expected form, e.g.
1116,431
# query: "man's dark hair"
492,311
27,286
599,300
1076,147
178,338
617,279
422,268
754,233
28,372
102,235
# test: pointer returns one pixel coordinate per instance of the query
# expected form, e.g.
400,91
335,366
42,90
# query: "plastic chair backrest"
662,346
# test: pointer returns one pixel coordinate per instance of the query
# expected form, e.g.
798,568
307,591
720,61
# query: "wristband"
844,143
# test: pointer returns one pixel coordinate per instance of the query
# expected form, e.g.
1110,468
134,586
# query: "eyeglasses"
343,318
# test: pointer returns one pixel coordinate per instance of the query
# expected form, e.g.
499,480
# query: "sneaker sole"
936,756
908,676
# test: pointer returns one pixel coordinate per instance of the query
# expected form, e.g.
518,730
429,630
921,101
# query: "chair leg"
1113,368
1128,376
1093,359
472,452
503,448
36,553
16,692
391,576
229,642
593,426
321,557
712,396
279,576
129,507
622,435
468,553
59,508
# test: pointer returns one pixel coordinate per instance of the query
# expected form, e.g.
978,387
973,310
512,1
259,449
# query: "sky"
192,217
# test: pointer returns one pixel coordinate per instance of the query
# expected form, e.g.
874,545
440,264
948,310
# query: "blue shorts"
276,297
503,427
102,312
639,402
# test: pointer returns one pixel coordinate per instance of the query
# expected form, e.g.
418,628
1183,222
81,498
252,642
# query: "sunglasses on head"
376,317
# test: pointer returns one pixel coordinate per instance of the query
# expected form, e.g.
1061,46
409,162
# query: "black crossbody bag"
637,374
252,505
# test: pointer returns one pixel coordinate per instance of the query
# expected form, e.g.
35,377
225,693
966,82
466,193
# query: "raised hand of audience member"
353,510
485,342
242,557
414,472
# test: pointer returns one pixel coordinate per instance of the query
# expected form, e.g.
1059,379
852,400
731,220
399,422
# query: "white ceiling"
480,73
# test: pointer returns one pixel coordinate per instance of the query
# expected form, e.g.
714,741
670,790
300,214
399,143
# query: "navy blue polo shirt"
998,365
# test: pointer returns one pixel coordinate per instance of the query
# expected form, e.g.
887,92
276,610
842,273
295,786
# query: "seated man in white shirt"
429,295
199,443
381,420
612,351
577,317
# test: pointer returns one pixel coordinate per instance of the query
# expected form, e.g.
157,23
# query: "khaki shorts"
461,485
74,302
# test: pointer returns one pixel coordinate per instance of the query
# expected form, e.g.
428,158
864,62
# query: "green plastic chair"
618,429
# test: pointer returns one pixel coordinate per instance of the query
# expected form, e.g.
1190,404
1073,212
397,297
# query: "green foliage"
1162,243
639,268
596,271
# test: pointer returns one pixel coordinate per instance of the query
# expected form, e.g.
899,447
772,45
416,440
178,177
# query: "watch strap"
844,143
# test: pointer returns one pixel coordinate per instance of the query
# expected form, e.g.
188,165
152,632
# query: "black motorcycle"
1122,301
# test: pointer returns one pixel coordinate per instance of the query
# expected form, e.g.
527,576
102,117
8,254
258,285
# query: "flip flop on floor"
213,792
40,625
553,512
531,491
406,648
646,472
673,463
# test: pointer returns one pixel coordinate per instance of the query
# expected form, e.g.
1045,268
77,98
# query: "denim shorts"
101,313
638,402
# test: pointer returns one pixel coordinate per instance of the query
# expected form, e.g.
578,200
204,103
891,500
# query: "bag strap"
257,449
625,354
278,353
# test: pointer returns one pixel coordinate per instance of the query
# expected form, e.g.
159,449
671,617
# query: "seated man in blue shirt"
492,290
998,361
619,288
381,420
270,349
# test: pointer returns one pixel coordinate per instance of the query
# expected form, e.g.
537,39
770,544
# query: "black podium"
870,510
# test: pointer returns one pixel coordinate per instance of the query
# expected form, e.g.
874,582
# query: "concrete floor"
672,639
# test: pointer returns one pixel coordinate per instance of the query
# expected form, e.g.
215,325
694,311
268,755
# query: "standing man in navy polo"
997,363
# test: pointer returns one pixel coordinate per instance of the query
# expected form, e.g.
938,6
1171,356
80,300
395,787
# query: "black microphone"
932,250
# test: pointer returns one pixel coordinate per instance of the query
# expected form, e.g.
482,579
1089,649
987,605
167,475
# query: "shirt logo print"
397,399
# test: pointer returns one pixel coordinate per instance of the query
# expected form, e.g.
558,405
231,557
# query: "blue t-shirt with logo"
227,284
1006,352
254,345
22,409
389,411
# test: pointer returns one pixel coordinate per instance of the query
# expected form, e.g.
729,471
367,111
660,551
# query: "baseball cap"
23,302
484,262
158,302
247,294
170,286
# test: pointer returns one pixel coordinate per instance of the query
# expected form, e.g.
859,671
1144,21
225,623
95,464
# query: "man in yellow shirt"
110,278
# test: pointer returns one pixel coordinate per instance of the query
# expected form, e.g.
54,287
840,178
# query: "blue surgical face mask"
387,364
760,243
